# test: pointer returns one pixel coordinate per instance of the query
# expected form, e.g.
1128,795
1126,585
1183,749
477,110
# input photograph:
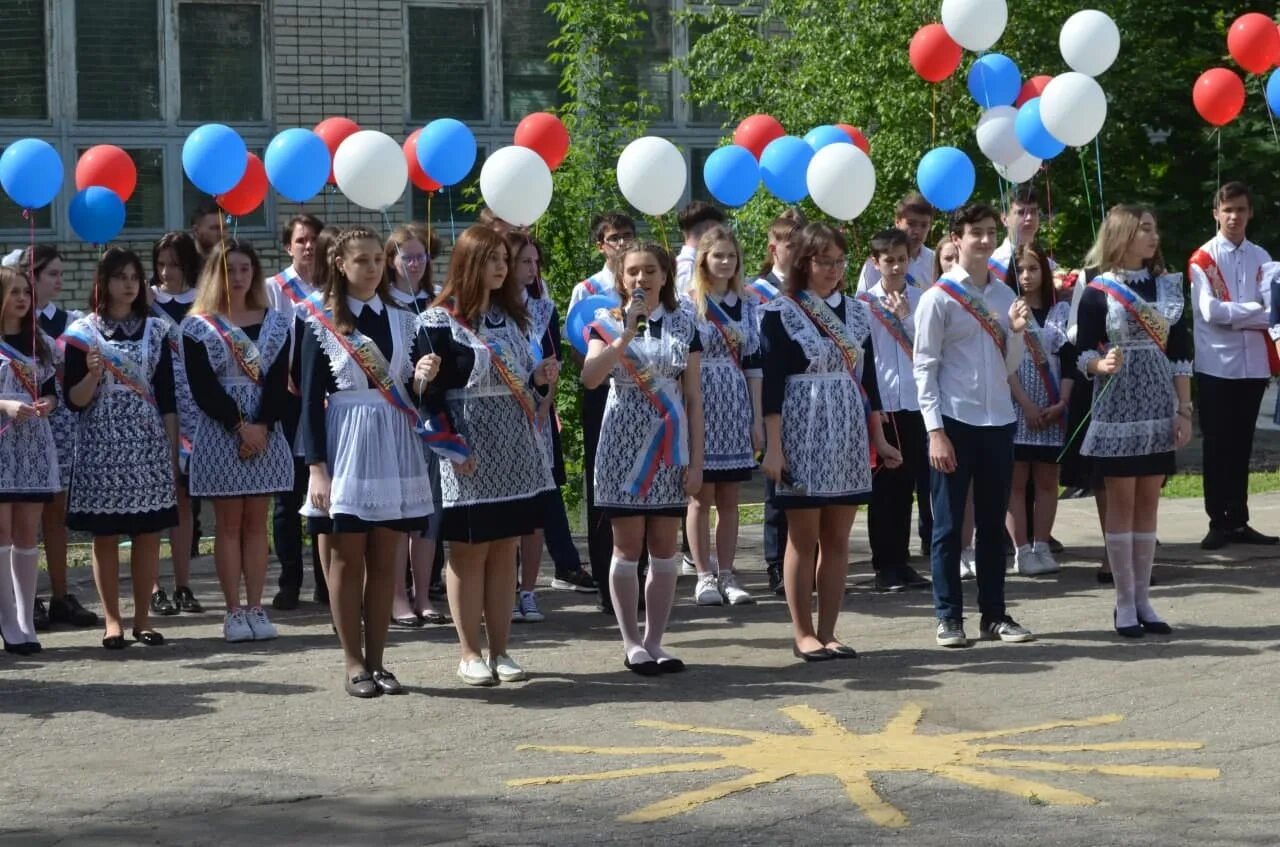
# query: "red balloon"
416,174
1032,88
756,132
110,167
544,134
1218,96
334,131
1254,42
249,193
855,135
933,54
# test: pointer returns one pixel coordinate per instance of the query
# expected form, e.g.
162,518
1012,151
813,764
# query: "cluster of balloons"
515,181
1254,42
1022,124
830,163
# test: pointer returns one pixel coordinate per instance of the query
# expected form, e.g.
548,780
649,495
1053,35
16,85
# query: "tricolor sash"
890,321
593,286
1147,316
128,372
436,433
243,350
999,270
1204,261
503,362
976,307
666,444
23,367
763,290
1040,356
731,335
291,285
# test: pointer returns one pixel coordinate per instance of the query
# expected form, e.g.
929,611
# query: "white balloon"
1089,41
974,24
841,180
515,183
652,175
1021,170
997,137
370,169
1073,108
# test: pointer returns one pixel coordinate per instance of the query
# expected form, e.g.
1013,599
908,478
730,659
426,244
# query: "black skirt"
1150,464
41,497
340,523
482,522
612,512
786,502
1036,453
731,475
142,523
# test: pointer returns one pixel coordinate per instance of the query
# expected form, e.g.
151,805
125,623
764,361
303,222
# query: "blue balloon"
447,150
582,314
821,136
946,177
96,214
783,164
1032,135
297,163
214,158
31,173
1273,93
994,80
731,174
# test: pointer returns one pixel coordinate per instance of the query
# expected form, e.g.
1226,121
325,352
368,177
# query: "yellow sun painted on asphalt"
825,748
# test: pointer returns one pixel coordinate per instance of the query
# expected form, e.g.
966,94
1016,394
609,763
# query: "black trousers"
286,526
1228,415
889,517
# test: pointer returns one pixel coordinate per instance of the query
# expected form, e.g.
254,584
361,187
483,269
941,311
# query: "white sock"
25,575
1120,551
659,597
624,588
10,616
1144,557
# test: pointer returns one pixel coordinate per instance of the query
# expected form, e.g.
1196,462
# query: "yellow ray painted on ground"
1105,747
1100,720
1015,786
864,795
1146,771
678,767
690,800
906,721
624,751
704,730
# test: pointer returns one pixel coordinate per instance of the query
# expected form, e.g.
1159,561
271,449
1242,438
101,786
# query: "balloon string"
1111,380
1084,178
453,228
328,189
31,274
1048,197
1097,147
662,232
934,141
226,286
1218,132
1270,114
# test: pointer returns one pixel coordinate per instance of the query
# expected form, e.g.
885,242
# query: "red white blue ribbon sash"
976,307
1145,314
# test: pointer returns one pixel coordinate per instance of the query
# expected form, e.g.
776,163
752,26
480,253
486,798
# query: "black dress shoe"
775,580
363,686
1055,546
161,605
822,654
842,651
186,601
1135,631
149,637
649,668
320,596
285,600
912,578
114,642
387,681
22,648
1155,627
32,647
409,622
672,665
1215,539
67,609
889,582
1105,578
41,616
1248,535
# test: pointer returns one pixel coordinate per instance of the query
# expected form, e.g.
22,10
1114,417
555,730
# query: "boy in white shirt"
913,216
695,219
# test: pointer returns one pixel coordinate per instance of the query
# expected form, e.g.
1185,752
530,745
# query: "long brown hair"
1117,232
113,260
335,297
807,244
184,250
212,294
702,276
666,295
1033,249
401,236
780,232
10,277
321,265
464,289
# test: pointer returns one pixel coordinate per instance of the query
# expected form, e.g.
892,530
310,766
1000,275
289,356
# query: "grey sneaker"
951,633
1005,629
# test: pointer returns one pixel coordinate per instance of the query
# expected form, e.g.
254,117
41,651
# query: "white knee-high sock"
10,619
659,597
1120,551
25,575
1144,557
624,588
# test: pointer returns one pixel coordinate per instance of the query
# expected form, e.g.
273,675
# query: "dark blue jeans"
984,457
558,536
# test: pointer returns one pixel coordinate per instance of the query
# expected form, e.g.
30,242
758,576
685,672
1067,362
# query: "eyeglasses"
618,239
830,264
411,261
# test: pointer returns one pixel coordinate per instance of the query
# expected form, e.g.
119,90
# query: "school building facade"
141,74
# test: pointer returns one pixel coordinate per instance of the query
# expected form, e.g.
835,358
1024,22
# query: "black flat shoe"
41,616
67,609
822,654
387,682
436,618
1105,578
410,622
670,666
186,601
1156,627
161,605
21,648
842,651
1055,546
1248,535
114,642
649,668
1134,631
1215,539
362,685
149,637
32,647
285,600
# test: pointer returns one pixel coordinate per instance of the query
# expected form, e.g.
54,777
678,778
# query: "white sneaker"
263,628
732,591
517,614
1045,555
528,609
968,564
1024,560
476,672
235,627
687,567
707,591
506,669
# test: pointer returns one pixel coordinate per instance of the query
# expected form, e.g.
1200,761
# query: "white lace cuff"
1082,363
1181,367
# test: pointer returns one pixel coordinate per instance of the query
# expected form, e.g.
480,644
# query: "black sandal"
407,622
149,637
435,618
387,682
362,685
114,642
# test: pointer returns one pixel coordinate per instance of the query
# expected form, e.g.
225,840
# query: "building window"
24,85
652,77
530,83
702,113
447,54
220,52
117,60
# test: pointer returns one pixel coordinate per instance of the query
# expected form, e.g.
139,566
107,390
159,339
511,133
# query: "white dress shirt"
919,271
186,298
684,268
50,309
894,372
958,369
357,307
276,298
1228,343
1002,258
603,279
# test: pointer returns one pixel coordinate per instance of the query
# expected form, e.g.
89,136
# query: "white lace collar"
358,306
186,298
